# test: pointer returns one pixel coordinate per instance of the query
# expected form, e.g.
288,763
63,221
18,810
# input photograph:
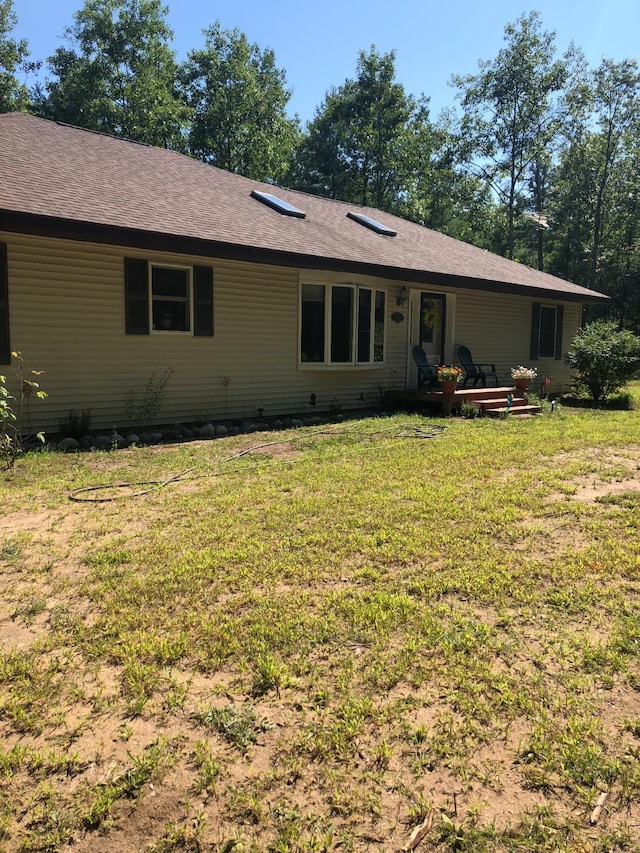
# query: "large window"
546,331
341,324
168,299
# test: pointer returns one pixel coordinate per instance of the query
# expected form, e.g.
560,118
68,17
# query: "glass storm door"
428,324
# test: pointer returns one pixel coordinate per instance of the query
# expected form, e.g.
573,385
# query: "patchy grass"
321,645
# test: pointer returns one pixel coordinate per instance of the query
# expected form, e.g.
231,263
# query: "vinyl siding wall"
497,329
67,306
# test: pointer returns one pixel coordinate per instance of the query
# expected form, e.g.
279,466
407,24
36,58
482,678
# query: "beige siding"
67,317
497,328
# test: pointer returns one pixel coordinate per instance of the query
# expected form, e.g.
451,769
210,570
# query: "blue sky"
317,43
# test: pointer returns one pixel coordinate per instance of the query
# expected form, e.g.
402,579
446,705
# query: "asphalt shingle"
54,170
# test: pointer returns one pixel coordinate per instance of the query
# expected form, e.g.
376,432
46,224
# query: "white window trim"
356,287
172,332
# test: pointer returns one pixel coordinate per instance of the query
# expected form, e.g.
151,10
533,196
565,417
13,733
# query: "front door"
428,325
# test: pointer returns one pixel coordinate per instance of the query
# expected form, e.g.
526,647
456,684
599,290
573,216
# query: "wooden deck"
492,401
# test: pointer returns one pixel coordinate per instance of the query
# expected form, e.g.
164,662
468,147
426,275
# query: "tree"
438,194
238,99
119,74
511,112
619,265
604,358
14,95
357,148
596,234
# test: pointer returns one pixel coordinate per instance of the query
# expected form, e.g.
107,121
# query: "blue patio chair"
427,373
474,370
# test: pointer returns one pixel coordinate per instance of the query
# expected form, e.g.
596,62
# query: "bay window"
341,324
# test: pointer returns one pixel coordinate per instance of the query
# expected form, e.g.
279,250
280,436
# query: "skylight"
373,224
277,204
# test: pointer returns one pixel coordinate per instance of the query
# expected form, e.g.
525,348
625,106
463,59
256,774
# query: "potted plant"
448,376
522,376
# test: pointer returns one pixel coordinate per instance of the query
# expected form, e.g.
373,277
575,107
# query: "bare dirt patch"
609,474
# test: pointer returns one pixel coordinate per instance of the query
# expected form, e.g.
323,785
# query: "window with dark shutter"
5,339
136,289
203,301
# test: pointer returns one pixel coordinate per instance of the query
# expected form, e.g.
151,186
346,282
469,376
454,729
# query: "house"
119,260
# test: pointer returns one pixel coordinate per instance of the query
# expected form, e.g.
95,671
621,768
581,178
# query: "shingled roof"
69,182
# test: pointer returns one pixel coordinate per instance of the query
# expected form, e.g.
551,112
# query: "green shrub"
604,358
13,416
143,405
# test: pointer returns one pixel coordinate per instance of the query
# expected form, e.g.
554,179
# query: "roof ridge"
103,133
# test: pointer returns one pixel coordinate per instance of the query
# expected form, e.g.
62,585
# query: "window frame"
356,288
153,265
138,298
554,353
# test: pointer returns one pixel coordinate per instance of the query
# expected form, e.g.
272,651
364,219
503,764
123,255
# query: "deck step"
497,402
514,410
475,395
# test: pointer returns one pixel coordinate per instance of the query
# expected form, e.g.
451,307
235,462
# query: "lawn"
385,634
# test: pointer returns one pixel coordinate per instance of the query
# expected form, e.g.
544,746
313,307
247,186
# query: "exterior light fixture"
402,296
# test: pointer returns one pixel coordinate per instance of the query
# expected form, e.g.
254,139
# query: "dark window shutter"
203,301
5,341
535,330
559,321
136,294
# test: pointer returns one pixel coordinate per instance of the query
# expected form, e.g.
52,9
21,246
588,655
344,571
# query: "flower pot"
521,384
449,386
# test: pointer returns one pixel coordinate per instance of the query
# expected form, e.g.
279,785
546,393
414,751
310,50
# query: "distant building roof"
70,182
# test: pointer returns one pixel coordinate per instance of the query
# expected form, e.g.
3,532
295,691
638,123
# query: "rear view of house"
119,260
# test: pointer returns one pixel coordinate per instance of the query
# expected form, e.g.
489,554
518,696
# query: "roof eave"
48,226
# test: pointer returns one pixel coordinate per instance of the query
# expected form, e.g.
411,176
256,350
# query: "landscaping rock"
150,437
69,445
103,442
221,430
133,438
207,431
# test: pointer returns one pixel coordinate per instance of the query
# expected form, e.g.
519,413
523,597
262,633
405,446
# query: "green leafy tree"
603,358
616,103
438,194
511,113
358,146
238,98
14,96
118,75
595,236
619,257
